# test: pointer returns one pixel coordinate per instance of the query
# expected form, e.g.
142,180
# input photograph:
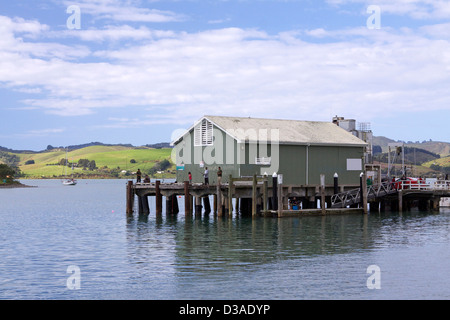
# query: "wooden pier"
256,196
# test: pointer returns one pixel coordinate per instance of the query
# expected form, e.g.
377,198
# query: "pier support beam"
280,199
143,205
206,204
265,192
187,199
219,201
158,198
322,193
130,198
400,200
230,195
274,192
198,205
254,186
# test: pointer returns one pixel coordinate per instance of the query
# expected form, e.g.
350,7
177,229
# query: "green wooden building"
299,150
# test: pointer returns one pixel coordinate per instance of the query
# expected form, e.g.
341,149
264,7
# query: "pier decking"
256,196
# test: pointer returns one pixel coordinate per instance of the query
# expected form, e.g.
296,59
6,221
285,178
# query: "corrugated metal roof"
290,131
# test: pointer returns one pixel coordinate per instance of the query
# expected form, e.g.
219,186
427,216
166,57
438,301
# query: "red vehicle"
407,183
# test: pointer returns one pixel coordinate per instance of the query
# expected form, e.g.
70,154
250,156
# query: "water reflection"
207,244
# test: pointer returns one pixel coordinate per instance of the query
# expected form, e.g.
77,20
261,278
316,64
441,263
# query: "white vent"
203,134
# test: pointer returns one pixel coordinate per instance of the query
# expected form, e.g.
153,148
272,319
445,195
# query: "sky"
137,71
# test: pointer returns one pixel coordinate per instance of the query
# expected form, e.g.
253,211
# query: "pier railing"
353,196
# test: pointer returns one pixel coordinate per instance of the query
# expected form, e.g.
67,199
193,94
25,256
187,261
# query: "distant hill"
413,155
436,147
94,161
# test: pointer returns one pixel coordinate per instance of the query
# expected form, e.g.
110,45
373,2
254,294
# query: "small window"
203,134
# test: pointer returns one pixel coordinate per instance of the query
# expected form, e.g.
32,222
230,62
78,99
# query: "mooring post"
187,199
280,195
130,198
336,183
400,200
158,197
274,191
364,194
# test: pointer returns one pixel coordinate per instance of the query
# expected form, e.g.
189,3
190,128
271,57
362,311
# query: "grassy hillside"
442,162
110,161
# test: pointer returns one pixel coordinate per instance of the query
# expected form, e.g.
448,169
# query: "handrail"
387,187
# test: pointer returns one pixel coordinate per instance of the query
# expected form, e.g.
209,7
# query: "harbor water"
76,242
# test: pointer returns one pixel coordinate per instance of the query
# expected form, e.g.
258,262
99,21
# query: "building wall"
190,158
299,164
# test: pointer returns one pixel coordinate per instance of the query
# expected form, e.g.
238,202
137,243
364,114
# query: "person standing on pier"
219,176
138,176
190,178
206,175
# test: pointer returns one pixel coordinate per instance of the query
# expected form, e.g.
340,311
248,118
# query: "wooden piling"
187,199
219,201
198,205
280,199
322,193
158,198
265,191
254,186
206,204
400,200
175,208
130,198
364,193
144,208
230,195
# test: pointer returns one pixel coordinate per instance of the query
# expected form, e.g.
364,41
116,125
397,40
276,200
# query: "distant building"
299,150
364,133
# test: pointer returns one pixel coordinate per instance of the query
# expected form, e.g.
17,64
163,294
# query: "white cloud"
112,33
234,71
416,9
124,11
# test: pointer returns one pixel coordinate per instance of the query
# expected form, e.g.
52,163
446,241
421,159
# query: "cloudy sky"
134,71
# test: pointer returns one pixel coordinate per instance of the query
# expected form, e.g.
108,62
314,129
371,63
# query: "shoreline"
15,185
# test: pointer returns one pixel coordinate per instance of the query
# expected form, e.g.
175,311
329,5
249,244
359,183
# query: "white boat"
68,181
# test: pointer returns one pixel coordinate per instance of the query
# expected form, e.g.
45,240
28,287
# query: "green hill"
110,162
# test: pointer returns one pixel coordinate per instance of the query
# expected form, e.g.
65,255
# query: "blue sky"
136,71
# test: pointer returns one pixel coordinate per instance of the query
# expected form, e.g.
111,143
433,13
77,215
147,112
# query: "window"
203,134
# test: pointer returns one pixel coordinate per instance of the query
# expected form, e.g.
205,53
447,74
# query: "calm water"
45,230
